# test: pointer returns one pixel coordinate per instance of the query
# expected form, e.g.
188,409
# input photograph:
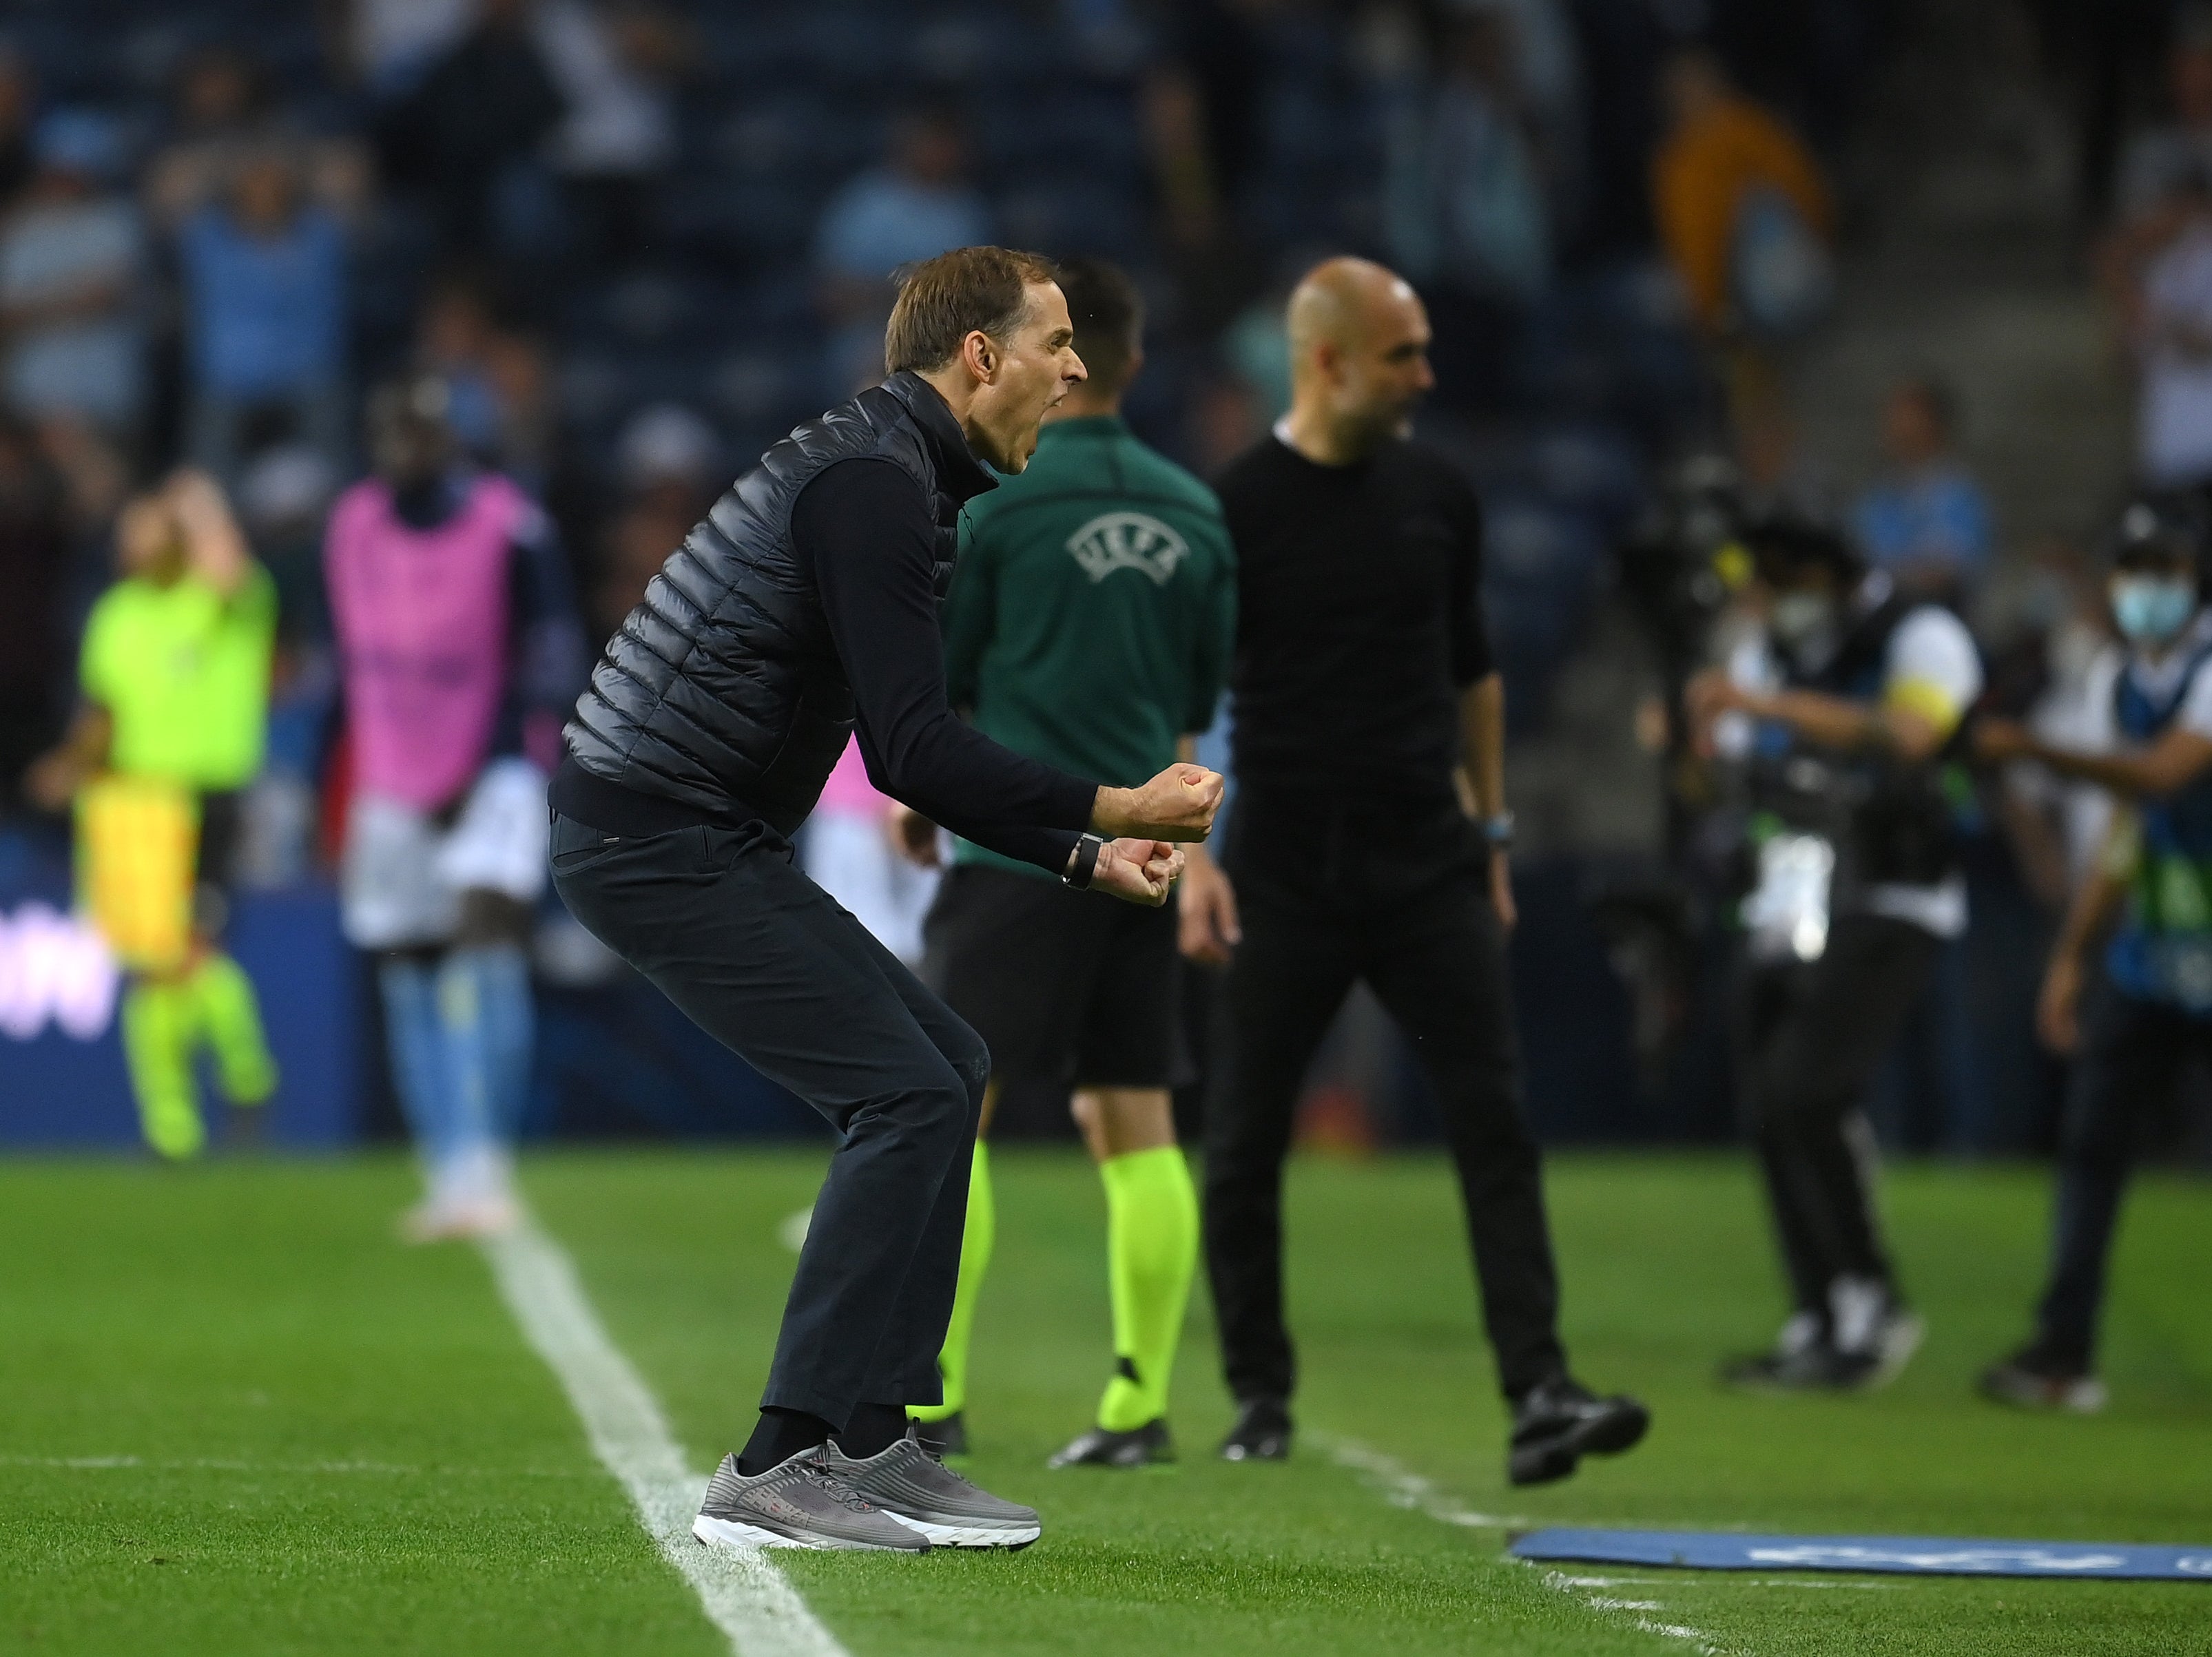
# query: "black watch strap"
1085,863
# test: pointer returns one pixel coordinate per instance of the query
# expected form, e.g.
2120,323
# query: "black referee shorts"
1067,989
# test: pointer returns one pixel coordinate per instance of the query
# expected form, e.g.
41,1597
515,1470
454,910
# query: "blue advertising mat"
1925,1556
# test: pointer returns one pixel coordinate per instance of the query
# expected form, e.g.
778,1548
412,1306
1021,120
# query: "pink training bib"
849,792
422,623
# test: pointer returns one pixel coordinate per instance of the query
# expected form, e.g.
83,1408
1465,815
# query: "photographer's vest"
2163,951
1899,825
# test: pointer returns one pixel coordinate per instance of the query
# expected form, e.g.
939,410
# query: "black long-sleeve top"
868,533
1360,619
870,536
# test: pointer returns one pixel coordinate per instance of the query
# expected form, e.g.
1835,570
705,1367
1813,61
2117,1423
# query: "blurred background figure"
1926,521
1743,212
19,102
2172,154
460,654
264,280
498,401
614,66
1470,217
920,202
1747,226
175,682
469,138
35,544
2158,271
72,275
672,468
2147,908
225,108
1838,707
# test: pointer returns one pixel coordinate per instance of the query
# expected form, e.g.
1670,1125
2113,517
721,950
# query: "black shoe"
1101,1447
2034,1378
1818,1368
1262,1432
1804,1358
1557,1425
942,1438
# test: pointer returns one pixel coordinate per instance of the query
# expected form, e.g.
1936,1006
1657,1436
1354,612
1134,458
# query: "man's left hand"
1138,871
1207,929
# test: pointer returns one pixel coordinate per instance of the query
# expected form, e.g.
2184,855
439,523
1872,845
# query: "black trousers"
766,963
1810,1039
2129,1074
1401,899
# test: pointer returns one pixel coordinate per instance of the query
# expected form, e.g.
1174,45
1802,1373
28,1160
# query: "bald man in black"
1368,842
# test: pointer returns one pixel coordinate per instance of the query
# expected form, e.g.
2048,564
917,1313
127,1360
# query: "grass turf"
235,1417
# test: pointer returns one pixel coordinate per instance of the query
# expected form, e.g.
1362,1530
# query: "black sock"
871,1430
781,1434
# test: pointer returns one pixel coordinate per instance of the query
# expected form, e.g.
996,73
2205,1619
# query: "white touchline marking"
1599,1602
743,1593
1401,1487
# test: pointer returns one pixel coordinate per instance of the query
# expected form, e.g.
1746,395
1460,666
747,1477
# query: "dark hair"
1108,313
1785,545
969,290
2160,530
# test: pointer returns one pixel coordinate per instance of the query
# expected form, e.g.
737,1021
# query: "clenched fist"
1177,804
1138,871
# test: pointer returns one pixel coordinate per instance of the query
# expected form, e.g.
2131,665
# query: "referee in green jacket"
1090,625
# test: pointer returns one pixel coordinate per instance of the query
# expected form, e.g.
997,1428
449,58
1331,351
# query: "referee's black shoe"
1147,1445
1262,1432
1558,1423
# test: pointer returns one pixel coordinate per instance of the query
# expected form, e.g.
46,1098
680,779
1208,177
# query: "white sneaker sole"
732,1533
971,1536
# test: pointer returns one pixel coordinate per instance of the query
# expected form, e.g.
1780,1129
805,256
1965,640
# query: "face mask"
2151,608
1801,619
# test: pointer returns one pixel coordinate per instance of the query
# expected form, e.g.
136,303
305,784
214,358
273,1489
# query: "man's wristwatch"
1083,863
1497,830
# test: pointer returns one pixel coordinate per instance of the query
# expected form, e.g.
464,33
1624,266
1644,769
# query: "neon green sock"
159,1027
983,1230
231,1019
1152,1253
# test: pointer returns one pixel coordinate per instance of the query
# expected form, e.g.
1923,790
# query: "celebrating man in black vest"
1364,692
804,607
1842,710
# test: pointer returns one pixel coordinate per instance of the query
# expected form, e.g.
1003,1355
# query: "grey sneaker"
915,1488
798,1503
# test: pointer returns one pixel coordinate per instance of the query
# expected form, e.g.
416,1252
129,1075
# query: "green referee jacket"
1093,610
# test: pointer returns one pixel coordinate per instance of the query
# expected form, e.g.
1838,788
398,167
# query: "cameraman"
1845,703
2155,878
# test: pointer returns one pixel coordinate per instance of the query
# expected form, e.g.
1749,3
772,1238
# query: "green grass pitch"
237,1418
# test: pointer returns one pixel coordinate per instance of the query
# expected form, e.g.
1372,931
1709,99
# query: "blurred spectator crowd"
637,239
